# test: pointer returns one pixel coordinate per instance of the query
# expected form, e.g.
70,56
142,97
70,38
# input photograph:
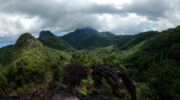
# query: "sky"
62,16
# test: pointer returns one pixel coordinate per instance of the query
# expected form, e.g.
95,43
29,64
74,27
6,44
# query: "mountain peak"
107,34
46,33
87,29
26,36
49,39
27,39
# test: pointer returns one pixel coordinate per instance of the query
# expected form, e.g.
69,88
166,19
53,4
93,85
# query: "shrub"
3,84
18,76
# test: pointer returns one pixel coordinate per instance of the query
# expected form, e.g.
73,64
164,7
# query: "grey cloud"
153,9
71,14
6,39
47,8
65,15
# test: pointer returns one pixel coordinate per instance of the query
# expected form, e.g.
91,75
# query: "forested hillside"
157,64
150,59
24,64
49,39
87,38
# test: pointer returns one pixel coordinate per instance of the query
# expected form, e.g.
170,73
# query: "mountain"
151,60
27,63
157,63
86,30
137,38
26,47
121,40
49,39
86,38
27,40
107,34
10,53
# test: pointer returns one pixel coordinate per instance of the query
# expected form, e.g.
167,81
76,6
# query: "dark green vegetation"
87,38
151,59
25,64
157,63
49,39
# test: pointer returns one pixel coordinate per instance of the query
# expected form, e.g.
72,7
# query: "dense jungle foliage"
151,59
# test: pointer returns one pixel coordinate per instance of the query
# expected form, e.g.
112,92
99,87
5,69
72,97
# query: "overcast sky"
117,16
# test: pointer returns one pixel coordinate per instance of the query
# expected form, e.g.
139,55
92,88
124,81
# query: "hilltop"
86,38
49,39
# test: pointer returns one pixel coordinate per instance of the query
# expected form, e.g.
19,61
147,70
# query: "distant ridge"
107,34
88,30
86,38
49,39
46,33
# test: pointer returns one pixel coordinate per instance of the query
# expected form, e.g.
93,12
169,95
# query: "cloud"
153,9
117,16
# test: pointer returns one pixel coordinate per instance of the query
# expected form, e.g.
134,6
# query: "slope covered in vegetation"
157,64
49,39
151,59
87,38
25,64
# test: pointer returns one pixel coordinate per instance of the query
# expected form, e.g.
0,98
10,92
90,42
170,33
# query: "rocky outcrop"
72,76
112,76
74,73
100,97
43,95
106,72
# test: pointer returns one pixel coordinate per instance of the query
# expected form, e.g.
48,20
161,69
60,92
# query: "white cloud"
117,16
117,3
16,24
118,23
